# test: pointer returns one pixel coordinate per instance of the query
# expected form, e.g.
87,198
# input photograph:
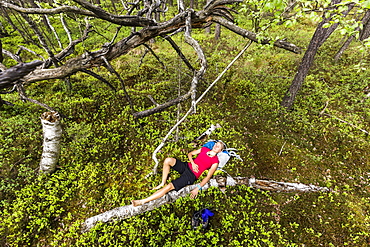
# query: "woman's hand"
195,167
194,193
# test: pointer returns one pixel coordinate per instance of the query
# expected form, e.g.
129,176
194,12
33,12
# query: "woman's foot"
136,203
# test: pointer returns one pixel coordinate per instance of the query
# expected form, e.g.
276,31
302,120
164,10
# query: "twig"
179,52
155,55
112,70
350,124
52,29
89,72
41,38
341,120
152,100
65,26
21,47
23,96
281,149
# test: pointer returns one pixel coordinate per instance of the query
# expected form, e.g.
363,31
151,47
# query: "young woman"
190,172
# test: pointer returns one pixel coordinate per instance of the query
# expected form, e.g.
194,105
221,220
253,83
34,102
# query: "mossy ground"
106,154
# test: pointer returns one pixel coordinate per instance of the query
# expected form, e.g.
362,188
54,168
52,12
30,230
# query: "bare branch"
162,107
21,47
58,10
71,47
64,24
179,52
41,38
89,72
252,36
22,30
54,32
152,100
12,56
113,71
4,102
15,73
203,62
155,55
113,51
24,97
129,21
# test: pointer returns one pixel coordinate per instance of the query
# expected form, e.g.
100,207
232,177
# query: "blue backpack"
225,155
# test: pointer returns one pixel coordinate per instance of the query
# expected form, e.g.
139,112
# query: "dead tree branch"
253,36
22,94
113,71
128,21
89,72
93,59
57,10
128,211
10,76
155,55
215,11
179,52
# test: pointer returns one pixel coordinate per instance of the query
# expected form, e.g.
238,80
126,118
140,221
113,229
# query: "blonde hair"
222,143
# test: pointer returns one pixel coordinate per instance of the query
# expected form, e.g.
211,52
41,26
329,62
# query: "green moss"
106,154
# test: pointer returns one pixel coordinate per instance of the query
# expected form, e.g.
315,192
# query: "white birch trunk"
128,211
52,130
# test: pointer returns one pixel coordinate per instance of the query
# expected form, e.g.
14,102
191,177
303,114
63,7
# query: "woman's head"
218,147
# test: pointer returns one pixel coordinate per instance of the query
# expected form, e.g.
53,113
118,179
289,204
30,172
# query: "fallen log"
128,211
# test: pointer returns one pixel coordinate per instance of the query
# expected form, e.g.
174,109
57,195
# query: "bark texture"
10,76
128,211
52,129
320,36
364,33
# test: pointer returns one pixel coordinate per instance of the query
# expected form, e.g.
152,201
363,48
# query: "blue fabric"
206,213
209,144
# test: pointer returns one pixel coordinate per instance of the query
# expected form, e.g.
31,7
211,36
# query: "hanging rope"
154,155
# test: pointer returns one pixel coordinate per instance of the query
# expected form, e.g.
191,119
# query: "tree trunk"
217,31
128,211
320,36
52,135
366,30
208,28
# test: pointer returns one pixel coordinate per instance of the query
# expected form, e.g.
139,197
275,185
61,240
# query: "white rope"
154,155
223,72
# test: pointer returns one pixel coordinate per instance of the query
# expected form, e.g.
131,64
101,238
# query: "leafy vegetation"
106,154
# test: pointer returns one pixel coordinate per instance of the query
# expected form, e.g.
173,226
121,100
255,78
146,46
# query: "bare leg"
154,196
167,164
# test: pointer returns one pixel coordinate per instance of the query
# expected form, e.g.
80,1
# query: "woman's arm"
205,180
190,156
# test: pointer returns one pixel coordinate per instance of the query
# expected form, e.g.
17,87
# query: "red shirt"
203,161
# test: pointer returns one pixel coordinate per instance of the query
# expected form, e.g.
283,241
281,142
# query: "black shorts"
187,176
